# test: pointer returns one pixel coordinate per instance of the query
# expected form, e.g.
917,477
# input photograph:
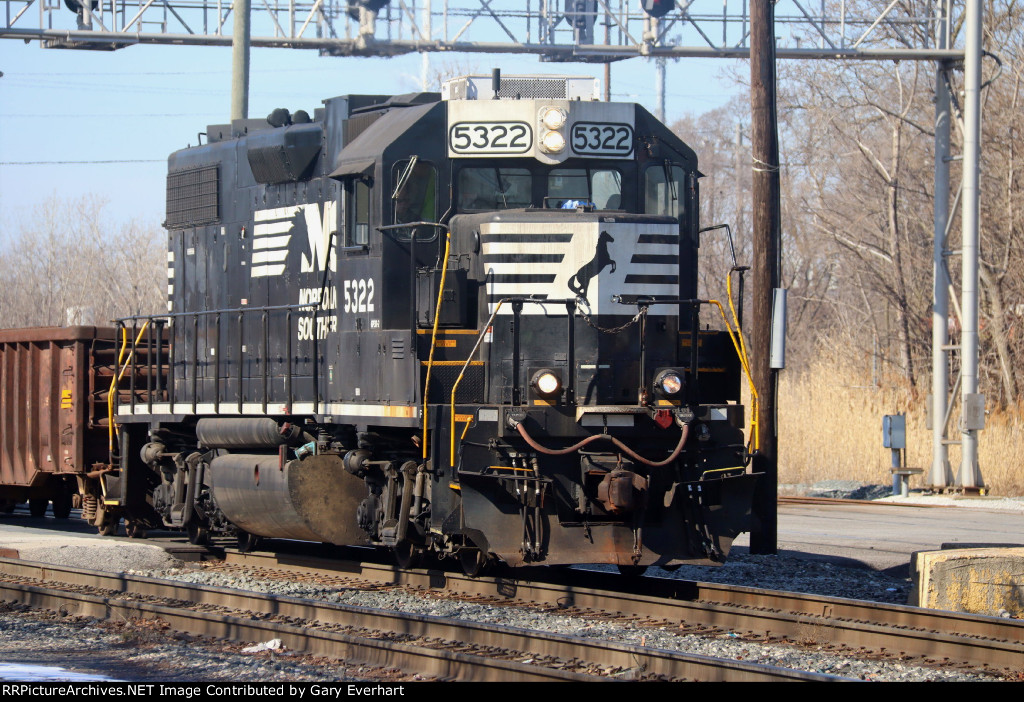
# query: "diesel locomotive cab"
462,323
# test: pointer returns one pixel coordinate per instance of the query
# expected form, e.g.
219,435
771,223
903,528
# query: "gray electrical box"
894,431
974,411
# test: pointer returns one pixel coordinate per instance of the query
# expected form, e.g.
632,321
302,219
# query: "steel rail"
568,651
936,635
388,654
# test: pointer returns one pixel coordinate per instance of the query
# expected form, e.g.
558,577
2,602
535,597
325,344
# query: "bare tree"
72,265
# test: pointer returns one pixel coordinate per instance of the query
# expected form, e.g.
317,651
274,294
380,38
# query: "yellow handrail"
741,351
112,428
433,339
455,386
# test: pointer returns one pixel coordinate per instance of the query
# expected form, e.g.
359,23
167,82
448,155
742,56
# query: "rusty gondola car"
462,324
55,404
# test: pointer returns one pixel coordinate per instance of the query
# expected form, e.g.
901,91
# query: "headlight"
546,383
552,117
552,142
669,383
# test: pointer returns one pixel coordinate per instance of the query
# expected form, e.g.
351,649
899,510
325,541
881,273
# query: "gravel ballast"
145,652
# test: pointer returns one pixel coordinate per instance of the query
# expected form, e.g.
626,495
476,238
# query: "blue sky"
63,113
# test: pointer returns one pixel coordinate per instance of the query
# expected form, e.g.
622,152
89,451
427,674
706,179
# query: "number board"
602,139
490,138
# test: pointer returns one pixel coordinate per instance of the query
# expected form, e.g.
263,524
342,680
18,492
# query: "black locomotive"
460,323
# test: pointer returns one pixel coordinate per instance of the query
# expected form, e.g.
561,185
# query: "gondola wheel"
37,506
109,525
632,571
134,529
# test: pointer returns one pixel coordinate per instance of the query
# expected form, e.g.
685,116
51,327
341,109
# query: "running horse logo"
580,282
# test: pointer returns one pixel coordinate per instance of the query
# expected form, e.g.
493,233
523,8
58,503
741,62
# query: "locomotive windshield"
600,186
494,189
489,188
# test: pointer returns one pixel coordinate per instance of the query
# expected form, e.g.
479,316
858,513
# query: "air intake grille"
535,87
192,197
538,89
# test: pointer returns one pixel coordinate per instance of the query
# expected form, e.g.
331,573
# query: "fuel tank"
312,499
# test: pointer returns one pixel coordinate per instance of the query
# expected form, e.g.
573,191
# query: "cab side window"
664,190
415,192
357,233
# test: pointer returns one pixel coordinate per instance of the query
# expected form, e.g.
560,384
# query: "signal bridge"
568,30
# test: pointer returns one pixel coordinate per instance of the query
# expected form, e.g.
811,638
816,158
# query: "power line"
76,163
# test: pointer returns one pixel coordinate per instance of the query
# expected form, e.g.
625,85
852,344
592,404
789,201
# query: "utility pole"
765,229
738,182
240,62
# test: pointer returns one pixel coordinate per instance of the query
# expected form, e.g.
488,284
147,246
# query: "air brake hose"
628,451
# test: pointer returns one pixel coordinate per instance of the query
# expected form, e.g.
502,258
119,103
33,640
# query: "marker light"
669,383
552,117
546,383
552,142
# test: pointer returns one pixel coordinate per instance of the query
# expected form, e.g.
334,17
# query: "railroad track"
932,637
445,648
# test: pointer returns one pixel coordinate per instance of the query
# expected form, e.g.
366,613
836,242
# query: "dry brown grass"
830,428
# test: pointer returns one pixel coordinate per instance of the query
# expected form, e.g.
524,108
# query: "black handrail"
153,348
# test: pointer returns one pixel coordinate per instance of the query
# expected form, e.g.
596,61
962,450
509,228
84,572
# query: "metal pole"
940,475
240,62
972,403
659,88
427,36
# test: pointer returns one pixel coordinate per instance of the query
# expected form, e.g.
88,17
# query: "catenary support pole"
972,403
940,475
240,61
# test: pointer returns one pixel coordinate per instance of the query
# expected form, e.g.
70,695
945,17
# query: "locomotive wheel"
632,571
37,506
197,533
472,561
247,542
62,505
408,554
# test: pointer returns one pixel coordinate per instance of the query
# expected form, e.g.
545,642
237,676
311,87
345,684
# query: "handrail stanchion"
195,361
149,365
241,359
288,350
266,359
570,382
216,365
131,382
170,365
